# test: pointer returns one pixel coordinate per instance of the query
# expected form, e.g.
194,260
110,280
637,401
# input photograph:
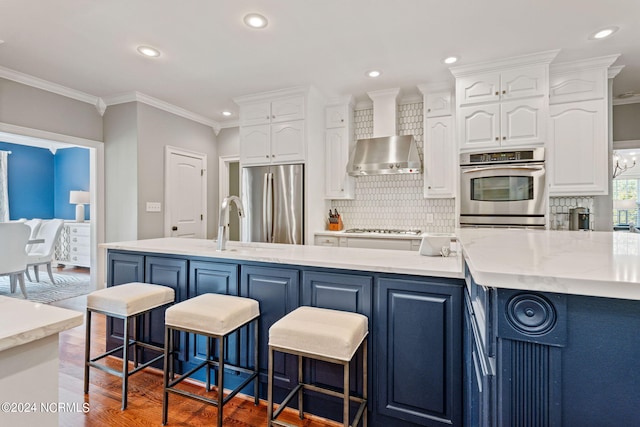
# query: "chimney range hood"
384,154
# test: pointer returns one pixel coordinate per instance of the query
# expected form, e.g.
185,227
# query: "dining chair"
34,224
13,254
42,253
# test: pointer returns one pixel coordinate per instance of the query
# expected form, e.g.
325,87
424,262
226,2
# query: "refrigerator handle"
265,204
270,207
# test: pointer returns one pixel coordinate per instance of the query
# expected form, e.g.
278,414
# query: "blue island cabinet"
418,361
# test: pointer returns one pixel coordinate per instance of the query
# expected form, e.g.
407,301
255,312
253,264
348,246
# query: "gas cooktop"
383,231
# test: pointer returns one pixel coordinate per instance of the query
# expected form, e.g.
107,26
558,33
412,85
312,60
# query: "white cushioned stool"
127,301
318,333
214,316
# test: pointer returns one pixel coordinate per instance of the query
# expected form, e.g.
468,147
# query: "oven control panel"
536,154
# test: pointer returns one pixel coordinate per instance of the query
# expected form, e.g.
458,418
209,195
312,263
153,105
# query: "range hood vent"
386,152
384,155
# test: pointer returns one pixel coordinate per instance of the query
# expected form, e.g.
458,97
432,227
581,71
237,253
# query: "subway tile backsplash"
395,201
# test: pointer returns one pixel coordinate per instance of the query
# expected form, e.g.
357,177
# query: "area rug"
66,286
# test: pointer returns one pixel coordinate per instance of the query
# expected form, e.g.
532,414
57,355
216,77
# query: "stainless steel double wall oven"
503,188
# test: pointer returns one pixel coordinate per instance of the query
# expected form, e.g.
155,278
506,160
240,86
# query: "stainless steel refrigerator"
273,199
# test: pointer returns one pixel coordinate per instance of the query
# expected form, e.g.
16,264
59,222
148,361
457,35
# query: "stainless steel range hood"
384,155
386,152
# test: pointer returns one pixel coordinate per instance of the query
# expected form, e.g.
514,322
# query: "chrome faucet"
223,219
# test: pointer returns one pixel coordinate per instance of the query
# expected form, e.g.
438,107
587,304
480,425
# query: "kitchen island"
29,362
544,333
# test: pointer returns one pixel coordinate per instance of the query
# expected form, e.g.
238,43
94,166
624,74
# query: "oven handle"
493,168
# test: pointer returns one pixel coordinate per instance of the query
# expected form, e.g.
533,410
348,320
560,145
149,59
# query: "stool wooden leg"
301,392
87,351
345,404
167,366
256,362
220,379
270,388
125,363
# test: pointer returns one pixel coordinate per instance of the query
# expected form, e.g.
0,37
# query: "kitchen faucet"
223,219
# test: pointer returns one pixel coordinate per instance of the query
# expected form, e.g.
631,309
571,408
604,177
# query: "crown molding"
161,105
428,88
582,64
516,61
628,100
229,124
614,71
48,86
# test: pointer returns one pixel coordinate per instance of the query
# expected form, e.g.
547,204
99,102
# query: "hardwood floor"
145,391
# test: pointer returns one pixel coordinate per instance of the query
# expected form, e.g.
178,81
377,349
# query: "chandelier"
622,164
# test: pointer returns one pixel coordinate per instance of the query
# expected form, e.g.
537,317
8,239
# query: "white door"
185,198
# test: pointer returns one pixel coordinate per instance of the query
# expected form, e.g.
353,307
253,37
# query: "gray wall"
229,142
626,122
34,108
157,129
121,172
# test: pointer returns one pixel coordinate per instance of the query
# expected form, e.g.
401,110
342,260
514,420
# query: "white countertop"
24,321
605,264
375,260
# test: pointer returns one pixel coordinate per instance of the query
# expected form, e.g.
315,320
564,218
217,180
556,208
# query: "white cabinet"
438,104
504,103
74,244
368,242
338,142
321,240
439,158
578,149
272,132
578,146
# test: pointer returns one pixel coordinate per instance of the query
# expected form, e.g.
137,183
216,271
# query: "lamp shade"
79,197
627,204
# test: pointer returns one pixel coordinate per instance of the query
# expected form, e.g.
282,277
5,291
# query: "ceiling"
208,56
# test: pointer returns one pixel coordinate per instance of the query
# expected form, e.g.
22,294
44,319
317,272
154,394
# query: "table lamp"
79,198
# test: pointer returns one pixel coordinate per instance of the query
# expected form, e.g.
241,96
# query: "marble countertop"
605,264
25,321
375,260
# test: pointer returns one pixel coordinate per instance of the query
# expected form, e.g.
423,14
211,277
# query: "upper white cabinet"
578,157
338,143
440,159
503,103
272,130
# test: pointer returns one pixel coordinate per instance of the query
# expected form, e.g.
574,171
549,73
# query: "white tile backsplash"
395,201
559,210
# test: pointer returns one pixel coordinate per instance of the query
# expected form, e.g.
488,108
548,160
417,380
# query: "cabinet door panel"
479,126
578,149
335,116
438,104
287,142
336,155
278,292
522,122
255,114
255,145
577,86
167,272
287,109
419,351
523,82
439,158
481,88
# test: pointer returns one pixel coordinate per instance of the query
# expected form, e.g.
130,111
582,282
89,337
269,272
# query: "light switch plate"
154,207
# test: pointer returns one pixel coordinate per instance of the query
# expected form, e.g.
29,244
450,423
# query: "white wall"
626,122
229,142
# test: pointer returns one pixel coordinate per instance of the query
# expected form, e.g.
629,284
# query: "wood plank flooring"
145,391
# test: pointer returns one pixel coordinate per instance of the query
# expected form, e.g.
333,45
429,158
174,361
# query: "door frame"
223,180
168,152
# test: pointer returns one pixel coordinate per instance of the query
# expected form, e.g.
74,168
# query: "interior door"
185,196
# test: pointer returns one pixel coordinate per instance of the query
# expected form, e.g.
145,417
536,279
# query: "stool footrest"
330,392
286,400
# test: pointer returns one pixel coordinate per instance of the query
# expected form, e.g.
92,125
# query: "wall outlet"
429,218
154,207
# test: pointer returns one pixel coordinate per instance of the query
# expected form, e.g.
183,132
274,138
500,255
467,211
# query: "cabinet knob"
428,110
497,93
267,156
273,117
504,91
497,138
267,117
174,228
341,120
342,189
273,155
429,187
504,137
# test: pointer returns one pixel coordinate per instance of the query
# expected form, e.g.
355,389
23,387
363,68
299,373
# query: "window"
625,197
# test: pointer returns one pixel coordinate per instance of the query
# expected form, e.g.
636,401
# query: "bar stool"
214,316
322,334
127,301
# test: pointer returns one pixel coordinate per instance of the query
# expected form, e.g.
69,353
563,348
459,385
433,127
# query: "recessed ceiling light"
374,73
1,41
226,113
603,33
255,20
450,60
148,51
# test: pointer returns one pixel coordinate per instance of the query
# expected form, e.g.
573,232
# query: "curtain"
4,187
